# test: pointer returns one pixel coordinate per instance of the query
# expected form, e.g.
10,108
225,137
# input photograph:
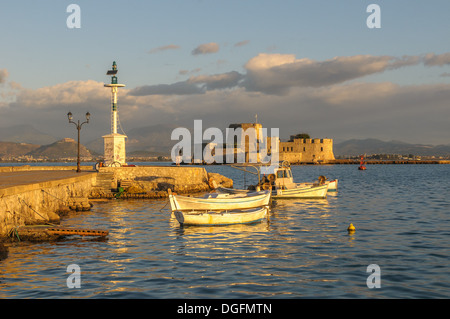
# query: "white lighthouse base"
114,149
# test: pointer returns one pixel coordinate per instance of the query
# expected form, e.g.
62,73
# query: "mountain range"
370,146
156,140
63,149
25,134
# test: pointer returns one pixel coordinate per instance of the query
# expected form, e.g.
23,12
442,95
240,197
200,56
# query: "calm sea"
303,250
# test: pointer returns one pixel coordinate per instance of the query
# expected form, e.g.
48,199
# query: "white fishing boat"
219,201
283,185
220,218
299,191
280,182
332,185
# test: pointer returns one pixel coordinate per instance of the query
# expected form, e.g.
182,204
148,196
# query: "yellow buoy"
351,228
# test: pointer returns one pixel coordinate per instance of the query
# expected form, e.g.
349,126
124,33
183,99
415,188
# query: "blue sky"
332,75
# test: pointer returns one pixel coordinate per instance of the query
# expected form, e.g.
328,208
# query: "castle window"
304,149
321,149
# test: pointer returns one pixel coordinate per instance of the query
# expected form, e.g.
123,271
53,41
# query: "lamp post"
78,125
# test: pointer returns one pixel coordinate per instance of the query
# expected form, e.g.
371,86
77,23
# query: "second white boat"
222,201
220,218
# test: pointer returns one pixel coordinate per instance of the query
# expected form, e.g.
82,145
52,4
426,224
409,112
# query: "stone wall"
43,168
307,150
181,179
37,203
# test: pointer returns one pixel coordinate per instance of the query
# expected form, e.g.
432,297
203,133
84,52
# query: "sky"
310,66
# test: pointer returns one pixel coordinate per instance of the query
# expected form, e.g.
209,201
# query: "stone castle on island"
299,150
296,150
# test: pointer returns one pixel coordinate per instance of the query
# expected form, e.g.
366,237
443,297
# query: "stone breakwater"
154,181
36,196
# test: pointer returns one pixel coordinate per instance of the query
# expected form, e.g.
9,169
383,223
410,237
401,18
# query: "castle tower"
114,143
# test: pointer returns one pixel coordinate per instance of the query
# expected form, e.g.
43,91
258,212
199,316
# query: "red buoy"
361,164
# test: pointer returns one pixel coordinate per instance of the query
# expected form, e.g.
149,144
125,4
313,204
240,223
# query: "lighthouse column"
114,143
114,110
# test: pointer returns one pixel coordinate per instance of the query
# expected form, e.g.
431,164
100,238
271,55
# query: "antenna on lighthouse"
114,142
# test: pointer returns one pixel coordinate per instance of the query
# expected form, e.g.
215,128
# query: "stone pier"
34,196
31,195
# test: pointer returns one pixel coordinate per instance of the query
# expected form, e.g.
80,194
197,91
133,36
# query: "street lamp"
78,125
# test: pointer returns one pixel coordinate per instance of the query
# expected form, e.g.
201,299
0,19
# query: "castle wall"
307,150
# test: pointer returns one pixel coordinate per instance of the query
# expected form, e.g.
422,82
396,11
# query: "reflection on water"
302,249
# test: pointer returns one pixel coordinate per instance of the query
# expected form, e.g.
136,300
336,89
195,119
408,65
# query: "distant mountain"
25,134
65,148
150,139
373,146
11,150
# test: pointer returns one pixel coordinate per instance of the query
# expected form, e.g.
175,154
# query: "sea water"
302,250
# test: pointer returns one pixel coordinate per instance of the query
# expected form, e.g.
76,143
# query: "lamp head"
69,116
88,116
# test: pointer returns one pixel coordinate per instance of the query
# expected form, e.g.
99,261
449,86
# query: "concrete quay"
18,181
31,195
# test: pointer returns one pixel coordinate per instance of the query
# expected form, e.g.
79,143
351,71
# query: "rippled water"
401,215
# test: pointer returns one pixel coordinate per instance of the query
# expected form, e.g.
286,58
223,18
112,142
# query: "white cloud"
295,95
217,81
206,48
178,88
164,48
3,75
69,93
277,73
241,43
432,59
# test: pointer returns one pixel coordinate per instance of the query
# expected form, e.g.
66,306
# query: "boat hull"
220,202
221,218
332,185
301,192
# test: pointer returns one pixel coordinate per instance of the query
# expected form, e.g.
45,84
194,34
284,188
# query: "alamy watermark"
73,21
373,21
374,280
238,145
74,279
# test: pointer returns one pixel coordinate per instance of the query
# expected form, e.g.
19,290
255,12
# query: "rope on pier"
29,206
44,191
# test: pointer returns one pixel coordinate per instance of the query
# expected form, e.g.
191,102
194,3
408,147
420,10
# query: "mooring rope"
164,206
29,206
53,196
